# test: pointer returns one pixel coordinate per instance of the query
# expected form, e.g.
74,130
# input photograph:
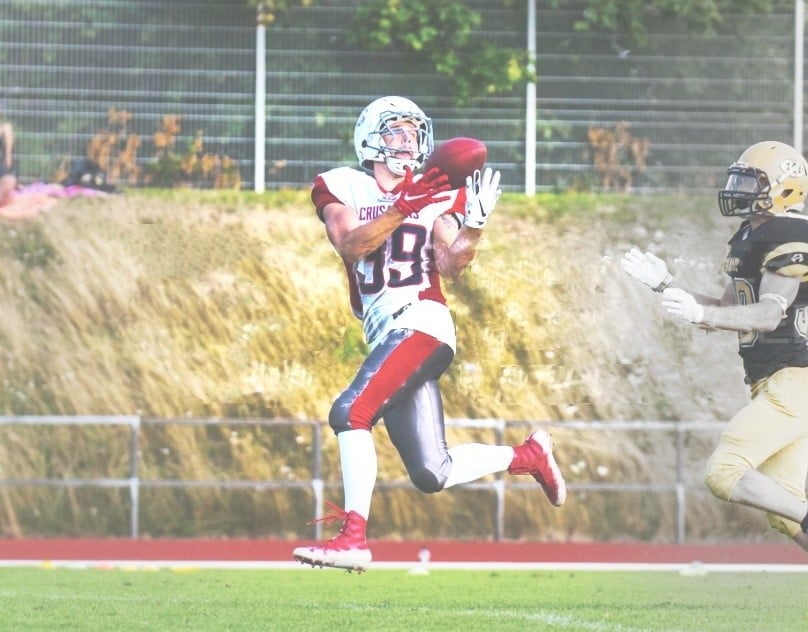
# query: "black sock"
804,524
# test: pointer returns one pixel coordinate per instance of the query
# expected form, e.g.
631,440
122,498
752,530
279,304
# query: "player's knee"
338,417
428,481
722,474
345,414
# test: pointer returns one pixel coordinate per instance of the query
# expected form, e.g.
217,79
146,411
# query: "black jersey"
779,245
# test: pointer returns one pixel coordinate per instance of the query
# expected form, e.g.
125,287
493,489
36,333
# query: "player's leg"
801,540
416,428
789,468
761,491
535,457
801,537
393,369
774,420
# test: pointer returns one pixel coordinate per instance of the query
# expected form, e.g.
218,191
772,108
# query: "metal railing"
673,482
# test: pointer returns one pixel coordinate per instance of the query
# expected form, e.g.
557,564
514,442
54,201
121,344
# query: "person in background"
761,459
8,171
397,234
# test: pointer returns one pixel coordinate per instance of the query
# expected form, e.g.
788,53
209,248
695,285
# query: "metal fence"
671,480
683,106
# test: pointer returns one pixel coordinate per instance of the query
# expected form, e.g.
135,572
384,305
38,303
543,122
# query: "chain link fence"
668,115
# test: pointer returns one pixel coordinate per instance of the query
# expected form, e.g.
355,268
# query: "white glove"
647,269
482,194
682,305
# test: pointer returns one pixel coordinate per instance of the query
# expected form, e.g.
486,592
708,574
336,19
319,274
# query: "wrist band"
665,283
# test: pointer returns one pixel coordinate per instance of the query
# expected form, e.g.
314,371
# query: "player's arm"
777,293
727,298
353,240
652,272
455,247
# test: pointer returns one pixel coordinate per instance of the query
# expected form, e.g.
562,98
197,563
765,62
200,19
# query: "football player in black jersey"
762,457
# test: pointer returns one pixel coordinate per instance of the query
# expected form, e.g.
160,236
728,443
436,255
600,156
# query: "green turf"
314,599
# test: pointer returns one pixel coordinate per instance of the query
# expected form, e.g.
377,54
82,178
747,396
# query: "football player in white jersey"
397,234
762,457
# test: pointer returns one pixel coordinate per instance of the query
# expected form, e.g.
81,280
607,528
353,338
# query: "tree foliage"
442,33
633,18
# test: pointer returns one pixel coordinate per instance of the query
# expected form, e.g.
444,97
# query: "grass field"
64,599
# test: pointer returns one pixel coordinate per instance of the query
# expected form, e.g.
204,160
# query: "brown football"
457,157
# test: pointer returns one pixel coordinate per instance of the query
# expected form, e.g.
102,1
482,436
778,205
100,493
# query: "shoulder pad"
329,186
786,242
789,260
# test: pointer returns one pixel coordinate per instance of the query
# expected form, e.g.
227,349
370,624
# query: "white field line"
691,568
543,617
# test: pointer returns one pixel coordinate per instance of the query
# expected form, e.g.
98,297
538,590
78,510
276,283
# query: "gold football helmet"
769,178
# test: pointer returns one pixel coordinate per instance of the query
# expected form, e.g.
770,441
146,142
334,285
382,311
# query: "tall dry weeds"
196,304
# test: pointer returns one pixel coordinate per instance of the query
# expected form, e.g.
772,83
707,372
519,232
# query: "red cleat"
535,457
348,549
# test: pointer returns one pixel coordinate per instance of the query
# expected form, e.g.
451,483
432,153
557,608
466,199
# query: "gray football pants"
398,381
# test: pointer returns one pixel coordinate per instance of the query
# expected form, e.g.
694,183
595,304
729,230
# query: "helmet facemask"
746,192
381,118
389,155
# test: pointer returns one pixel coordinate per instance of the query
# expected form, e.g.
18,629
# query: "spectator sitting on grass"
8,170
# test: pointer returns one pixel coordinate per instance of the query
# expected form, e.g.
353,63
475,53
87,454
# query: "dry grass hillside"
201,304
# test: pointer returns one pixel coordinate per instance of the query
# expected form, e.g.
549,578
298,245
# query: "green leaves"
442,34
633,18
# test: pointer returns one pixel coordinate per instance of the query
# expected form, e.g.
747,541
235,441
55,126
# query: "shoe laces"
352,530
338,513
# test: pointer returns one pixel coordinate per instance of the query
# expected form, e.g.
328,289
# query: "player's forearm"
457,257
364,239
763,316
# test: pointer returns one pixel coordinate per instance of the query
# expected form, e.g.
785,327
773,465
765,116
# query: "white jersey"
397,285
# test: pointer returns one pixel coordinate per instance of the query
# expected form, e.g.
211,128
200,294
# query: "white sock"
474,460
357,455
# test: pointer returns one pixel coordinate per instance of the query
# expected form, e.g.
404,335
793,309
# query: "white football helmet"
769,178
375,120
